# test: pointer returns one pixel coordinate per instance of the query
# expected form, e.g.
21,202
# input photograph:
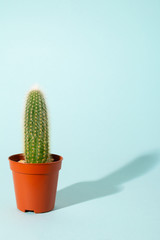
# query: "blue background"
98,65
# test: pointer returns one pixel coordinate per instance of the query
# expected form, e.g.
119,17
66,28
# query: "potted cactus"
35,172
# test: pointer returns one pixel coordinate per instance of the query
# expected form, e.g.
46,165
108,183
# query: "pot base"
34,211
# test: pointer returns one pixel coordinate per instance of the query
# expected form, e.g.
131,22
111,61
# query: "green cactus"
36,136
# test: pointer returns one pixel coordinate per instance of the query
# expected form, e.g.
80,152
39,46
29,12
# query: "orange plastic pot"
35,184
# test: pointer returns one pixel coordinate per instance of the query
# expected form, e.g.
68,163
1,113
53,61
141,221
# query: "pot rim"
21,155
34,168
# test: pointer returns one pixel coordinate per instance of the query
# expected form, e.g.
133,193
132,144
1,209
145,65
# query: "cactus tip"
35,87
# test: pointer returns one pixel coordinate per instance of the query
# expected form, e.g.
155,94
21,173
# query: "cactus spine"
36,137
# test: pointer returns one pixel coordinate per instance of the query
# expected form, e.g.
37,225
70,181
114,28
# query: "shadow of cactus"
109,184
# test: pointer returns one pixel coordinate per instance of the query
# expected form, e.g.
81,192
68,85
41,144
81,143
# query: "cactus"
36,136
